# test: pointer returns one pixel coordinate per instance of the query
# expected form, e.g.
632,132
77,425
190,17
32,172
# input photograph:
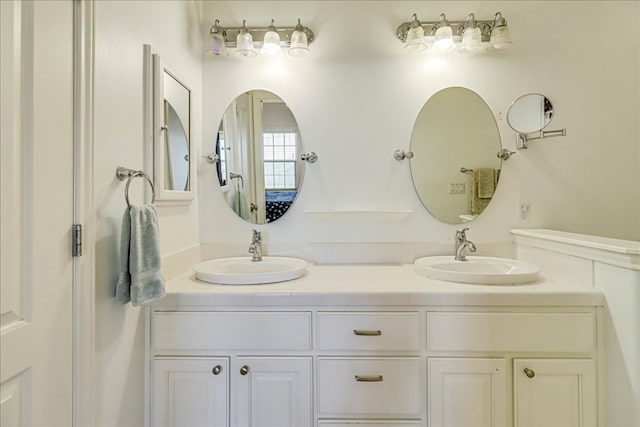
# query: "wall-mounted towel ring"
233,175
123,173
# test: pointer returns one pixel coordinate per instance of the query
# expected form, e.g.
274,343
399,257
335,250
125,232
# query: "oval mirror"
258,157
530,113
455,168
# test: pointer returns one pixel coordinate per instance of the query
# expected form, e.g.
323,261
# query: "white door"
273,392
36,195
190,392
467,392
554,393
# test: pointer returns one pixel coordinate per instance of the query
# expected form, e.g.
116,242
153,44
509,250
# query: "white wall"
121,29
357,95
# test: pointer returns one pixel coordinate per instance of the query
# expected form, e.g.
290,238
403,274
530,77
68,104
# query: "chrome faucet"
255,247
462,244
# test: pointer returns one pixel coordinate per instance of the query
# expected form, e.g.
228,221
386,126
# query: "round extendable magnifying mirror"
530,113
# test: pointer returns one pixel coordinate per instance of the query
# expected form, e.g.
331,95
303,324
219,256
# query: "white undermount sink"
243,271
478,270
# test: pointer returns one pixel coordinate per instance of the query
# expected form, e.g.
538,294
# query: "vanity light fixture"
444,36
218,36
415,36
466,36
300,40
471,35
500,38
271,44
269,41
244,42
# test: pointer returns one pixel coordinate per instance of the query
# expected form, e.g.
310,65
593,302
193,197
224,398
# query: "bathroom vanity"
373,345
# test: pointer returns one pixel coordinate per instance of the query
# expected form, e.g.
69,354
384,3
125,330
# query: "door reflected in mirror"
530,113
455,168
176,168
258,162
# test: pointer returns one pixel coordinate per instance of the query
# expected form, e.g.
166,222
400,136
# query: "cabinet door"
554,393
274,391
467,392
190,392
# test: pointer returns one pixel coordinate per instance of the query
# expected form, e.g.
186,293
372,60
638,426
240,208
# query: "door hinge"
76,240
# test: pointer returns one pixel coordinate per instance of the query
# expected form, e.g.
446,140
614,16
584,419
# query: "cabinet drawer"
369,387
512,332
399,331
215,331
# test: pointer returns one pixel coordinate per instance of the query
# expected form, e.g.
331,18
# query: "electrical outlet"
456,188
523,210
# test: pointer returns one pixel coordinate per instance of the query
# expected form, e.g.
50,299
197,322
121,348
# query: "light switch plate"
456,188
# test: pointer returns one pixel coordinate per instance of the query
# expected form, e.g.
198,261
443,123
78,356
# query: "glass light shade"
299,45
217,44
415,40
271,45
444,40
472,39
244,45
500,38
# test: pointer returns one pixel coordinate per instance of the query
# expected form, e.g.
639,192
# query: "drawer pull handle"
367,332
530,373
216,370
369,378
244,370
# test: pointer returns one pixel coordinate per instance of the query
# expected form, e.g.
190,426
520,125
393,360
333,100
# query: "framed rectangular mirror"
172,149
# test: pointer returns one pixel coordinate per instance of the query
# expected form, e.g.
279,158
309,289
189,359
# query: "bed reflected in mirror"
257,157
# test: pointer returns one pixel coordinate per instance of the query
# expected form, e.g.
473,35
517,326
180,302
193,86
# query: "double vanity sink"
474,270
478,270
245,271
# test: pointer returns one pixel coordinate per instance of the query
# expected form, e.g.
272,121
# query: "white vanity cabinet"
378,366
544,390
241,368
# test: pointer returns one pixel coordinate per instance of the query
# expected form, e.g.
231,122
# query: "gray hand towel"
140,279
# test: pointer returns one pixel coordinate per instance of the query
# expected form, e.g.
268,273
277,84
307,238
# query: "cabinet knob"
530,373
216,370
244,370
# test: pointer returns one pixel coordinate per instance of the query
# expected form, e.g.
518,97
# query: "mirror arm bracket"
311,157
522,139
401,155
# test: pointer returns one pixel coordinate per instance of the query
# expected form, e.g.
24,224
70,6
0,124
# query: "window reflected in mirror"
258,162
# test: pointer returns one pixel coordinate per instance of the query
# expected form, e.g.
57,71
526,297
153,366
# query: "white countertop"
370,285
